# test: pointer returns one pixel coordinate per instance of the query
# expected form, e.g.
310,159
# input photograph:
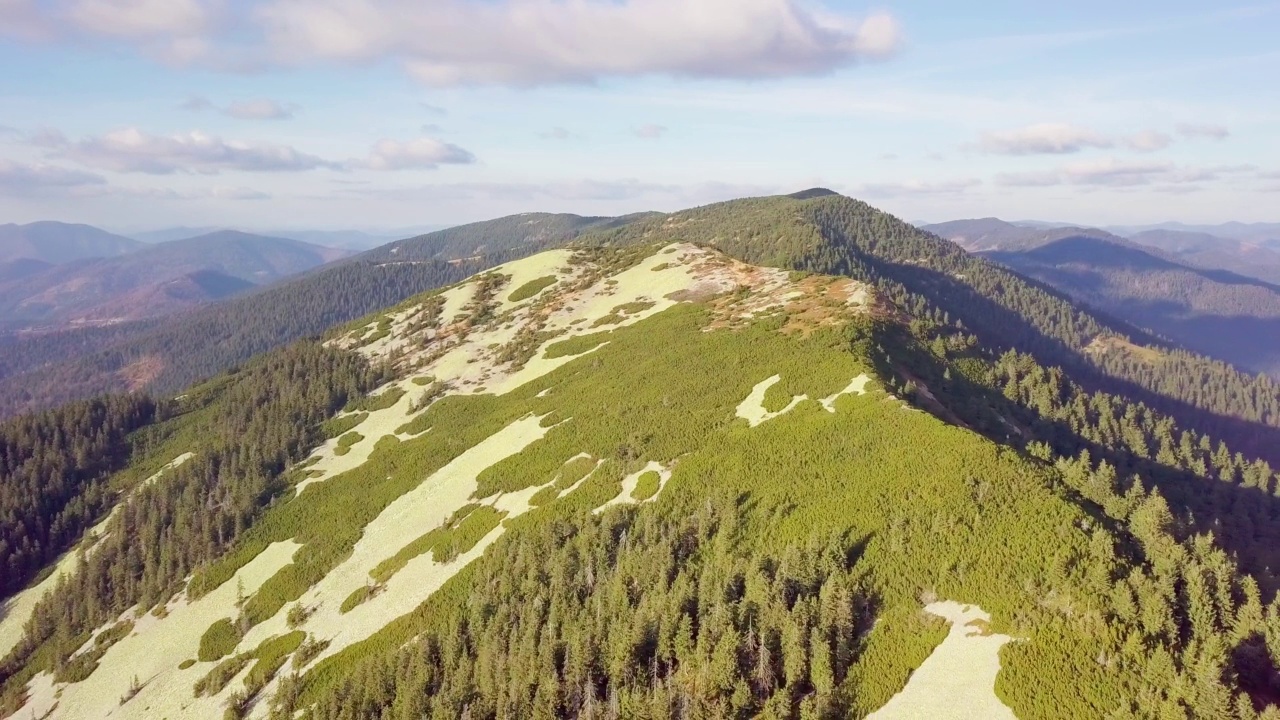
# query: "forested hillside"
650,481
516,234
165,356
153,280
937,282
1218,313
1257,259
1175,288
172,355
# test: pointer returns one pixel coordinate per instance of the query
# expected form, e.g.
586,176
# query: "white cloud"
529,42
650,131
1043,139
1148,141
261,109
420,154
916,187
1117,173
555,133
1201,130
131,150
1114,172
141,18
180,31
23,179
255,109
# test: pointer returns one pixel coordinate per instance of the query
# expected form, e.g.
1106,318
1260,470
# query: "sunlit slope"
656,481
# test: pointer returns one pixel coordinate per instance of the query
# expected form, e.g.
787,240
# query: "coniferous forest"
1112,501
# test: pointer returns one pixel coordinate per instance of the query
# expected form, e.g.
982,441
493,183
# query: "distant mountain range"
63,289
1212,295
356,240
54,243
1263,233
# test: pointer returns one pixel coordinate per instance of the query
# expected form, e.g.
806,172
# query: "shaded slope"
1251,259
1215,312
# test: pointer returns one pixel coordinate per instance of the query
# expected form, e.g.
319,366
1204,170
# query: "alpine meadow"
488,360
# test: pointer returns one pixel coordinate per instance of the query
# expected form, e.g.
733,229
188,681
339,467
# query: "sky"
379,114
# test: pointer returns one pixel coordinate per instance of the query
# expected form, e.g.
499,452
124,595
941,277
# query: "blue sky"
135,114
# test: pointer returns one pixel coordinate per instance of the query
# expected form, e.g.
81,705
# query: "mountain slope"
1262,233
945,287
1220,314
181,350
55,242
140,284
528,230
1250,259
989,234
647,478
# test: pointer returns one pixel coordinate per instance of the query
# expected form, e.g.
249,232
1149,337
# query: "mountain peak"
812,193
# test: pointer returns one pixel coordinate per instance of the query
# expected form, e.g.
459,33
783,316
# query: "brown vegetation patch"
1105,345
141,372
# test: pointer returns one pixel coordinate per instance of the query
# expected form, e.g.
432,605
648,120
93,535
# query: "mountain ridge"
99,290
56,242
653,435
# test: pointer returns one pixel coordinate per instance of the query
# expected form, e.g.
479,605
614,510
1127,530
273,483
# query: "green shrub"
531,288
647,486
346,441
356,597
576,345
218,641
335,427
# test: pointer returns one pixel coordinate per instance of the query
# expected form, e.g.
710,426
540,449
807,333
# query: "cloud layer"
24,179
1115,172
131,150
1066,138
452,42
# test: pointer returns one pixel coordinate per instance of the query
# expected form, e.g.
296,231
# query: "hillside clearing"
957,681
152,653
15,611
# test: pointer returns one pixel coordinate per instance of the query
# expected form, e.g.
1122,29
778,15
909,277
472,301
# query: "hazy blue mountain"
55,242
156,280
1253,232
357,240
1253,259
